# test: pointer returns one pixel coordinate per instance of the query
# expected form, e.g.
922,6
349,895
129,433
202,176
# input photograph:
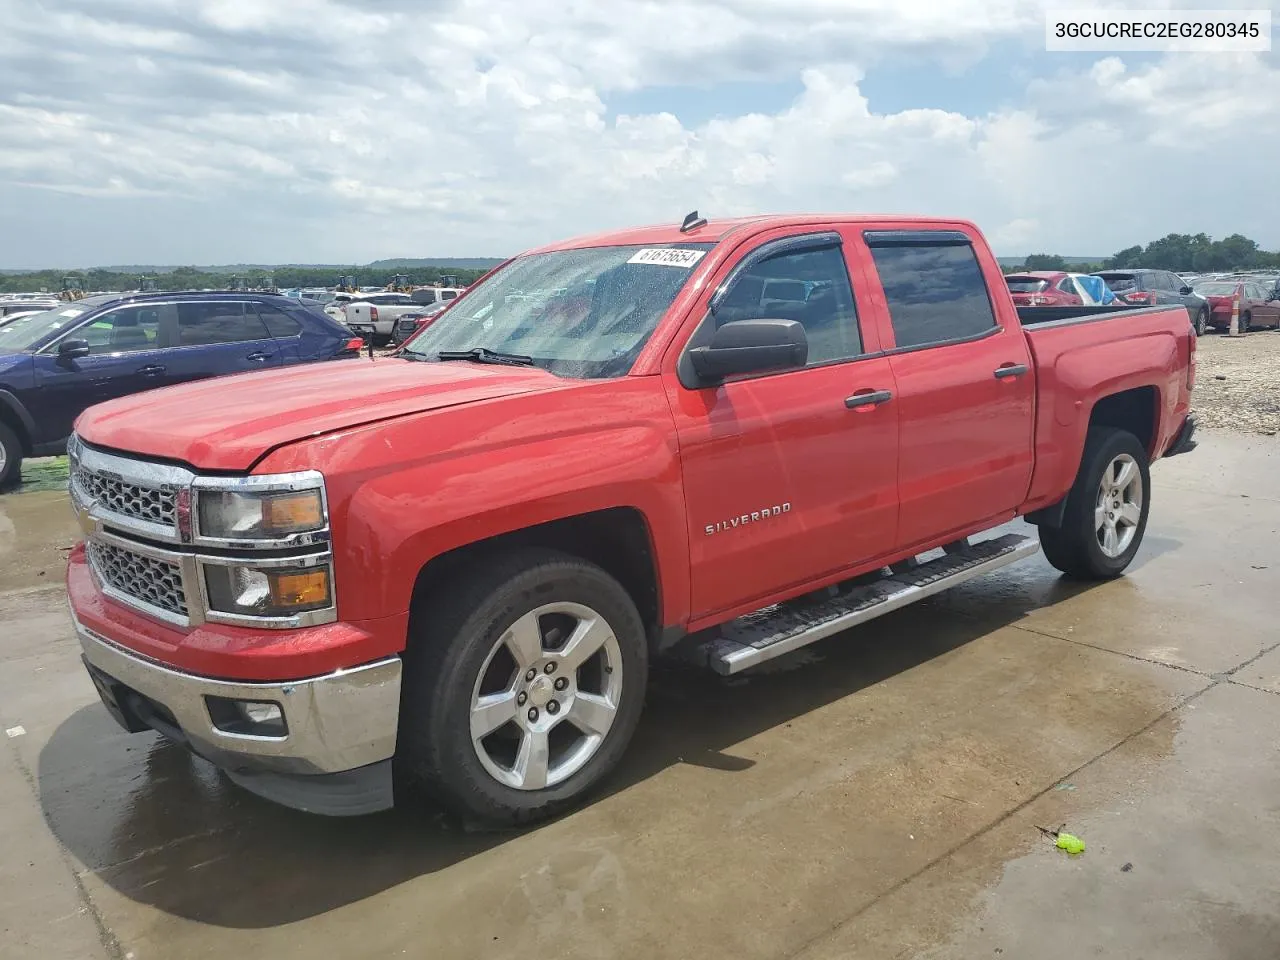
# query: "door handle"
258,357
1011,370
867,398
151,370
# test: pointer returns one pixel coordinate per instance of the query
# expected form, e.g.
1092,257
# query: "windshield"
1026,284
1119,281
1216,289
24,333
577,313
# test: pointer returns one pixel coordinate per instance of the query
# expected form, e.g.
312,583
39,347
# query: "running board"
777,630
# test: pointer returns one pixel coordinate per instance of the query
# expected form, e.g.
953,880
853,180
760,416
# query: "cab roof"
714,231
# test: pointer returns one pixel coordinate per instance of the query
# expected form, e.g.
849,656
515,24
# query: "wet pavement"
877,795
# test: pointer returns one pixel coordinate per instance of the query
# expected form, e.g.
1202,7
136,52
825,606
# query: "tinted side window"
935,292
1068,285
126,330
223,322
279,324
811,286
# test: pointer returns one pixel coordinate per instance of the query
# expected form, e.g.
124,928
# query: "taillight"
1139,296
355,343
373,314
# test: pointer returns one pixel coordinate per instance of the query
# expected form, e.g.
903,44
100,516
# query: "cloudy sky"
222,131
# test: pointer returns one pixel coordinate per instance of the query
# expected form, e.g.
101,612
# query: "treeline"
1178,252
192,278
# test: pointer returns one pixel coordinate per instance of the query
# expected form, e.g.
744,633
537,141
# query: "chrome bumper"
334,723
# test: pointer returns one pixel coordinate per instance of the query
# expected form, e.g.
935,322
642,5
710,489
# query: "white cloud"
345,131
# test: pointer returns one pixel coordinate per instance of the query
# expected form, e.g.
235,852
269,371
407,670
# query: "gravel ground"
1238,382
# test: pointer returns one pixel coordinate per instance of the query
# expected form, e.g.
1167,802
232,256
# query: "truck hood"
228,423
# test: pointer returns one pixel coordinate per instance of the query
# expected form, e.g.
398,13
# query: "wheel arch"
15,416
616,539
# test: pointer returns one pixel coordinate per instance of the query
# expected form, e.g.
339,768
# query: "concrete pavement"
874,796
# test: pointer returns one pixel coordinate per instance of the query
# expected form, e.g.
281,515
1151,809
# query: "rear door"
1265,313
965,385
289,336
125,357
213,338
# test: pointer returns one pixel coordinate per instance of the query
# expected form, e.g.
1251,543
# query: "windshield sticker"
668,257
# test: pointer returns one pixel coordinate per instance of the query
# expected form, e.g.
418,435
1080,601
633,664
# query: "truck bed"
1033,316
1144,353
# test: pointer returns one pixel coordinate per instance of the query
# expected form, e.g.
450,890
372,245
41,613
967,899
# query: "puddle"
43,473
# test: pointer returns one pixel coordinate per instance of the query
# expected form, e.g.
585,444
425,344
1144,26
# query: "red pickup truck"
446,572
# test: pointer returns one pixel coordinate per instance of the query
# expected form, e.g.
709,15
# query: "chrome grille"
152,504
147,580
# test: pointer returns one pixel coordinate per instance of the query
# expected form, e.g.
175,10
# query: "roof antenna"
692,222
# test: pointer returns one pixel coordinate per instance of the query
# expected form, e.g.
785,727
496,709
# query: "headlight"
259,516
257,591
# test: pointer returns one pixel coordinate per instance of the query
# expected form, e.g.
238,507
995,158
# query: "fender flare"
15,406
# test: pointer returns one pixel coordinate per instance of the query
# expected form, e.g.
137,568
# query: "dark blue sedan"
53,365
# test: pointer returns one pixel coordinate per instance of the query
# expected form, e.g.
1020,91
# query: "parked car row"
1255,303
56,363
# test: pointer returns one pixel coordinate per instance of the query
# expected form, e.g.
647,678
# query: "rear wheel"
1246,321
10,456
522,688
1106,510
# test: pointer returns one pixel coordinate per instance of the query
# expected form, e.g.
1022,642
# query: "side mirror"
750,346
70,349
1186,290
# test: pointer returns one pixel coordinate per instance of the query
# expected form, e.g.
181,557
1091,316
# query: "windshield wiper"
485,355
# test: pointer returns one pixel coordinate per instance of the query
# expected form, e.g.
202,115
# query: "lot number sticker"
668,257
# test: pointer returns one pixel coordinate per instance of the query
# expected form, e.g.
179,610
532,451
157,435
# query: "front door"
785,482
125,357
965,385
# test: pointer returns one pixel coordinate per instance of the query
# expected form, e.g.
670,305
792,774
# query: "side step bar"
777,630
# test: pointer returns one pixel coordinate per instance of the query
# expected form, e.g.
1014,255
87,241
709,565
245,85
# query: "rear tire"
1246,321
492,651
1106,510
10,456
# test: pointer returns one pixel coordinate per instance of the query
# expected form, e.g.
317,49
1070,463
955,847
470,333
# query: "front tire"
1106,510
10,456
1202,322
523,684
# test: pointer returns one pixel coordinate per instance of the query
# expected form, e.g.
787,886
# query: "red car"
458,562
1043,288
1256,310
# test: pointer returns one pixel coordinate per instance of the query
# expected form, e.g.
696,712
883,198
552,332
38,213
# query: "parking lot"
877,795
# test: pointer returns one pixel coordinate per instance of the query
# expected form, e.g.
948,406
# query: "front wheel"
10,456
523,686
1202,322
1106,510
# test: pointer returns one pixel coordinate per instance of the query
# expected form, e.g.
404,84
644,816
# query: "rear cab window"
933,285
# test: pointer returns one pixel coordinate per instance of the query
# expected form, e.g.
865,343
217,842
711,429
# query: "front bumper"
334,756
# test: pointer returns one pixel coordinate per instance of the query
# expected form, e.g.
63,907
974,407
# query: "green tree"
1044,261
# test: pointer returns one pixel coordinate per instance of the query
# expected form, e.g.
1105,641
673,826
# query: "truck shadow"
165,829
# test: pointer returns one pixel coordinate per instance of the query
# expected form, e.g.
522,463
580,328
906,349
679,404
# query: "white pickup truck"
374,315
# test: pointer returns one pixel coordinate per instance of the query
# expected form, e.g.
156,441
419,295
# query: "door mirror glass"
751,346
70,349
1185,290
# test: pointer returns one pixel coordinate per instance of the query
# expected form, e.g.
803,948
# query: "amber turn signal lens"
300,511
299,589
